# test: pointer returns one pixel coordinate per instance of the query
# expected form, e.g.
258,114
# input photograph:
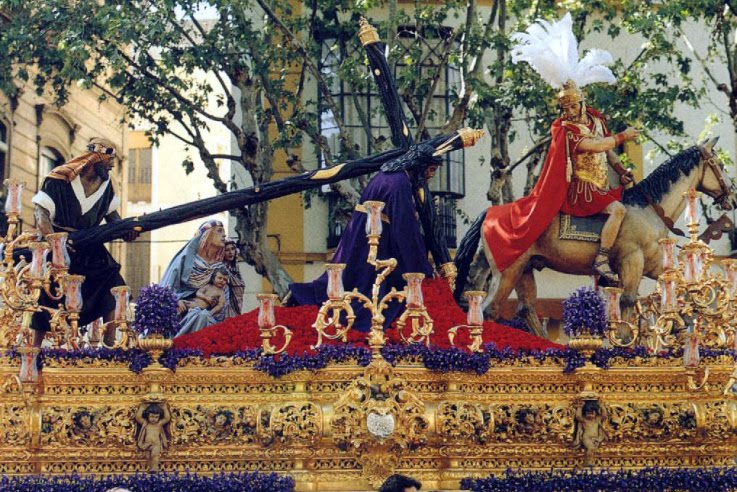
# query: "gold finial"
367,33
469,136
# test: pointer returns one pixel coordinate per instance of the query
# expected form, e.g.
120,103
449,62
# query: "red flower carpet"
241,333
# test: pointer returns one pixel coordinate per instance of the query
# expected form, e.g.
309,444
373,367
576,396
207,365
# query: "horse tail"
466,251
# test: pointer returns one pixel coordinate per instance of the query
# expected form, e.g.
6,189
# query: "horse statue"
635,253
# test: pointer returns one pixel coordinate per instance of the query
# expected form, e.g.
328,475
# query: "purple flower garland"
231,482
433,358
650,479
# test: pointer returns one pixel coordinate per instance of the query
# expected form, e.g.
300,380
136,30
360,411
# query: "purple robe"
400,238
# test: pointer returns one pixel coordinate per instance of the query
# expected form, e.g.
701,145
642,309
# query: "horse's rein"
661,213
710,161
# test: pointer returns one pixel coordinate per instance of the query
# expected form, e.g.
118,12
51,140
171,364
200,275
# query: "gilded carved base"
347,427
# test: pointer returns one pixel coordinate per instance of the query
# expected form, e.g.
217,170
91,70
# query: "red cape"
511,229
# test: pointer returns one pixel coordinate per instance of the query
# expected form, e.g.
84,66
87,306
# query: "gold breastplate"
591,167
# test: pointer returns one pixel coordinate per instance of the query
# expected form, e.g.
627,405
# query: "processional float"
25,279
338,428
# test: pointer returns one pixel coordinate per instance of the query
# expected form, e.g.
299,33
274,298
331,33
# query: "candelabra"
267,325
474,320
22,282
336,316
120,322
694,303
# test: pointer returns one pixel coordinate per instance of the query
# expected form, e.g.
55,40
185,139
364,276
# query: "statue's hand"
181,307
631,133
626,178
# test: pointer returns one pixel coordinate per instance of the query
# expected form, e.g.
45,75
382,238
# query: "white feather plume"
551,49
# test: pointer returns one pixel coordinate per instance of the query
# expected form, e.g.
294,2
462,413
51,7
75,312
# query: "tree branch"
324,89
535,148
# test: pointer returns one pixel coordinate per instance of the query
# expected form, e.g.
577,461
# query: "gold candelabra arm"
329,317
386,267
623,333
422,326
126,340
268,333
55,275
477,336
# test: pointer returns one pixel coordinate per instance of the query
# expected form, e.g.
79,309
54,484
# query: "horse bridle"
712,162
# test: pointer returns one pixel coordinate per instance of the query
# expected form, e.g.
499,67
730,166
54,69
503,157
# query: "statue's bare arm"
43,220
605,144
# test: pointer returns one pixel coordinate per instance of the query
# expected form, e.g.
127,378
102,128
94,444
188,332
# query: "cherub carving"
589,430
153,433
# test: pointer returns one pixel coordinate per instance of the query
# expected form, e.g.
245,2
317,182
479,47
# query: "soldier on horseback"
574,179
588,153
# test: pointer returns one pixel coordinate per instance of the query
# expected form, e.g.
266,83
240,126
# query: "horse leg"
630,270
502,285
616,212
527,294
479,273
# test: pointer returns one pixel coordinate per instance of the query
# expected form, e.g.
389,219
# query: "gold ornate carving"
464,421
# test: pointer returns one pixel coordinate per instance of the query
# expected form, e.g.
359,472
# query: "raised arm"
605,144
139,414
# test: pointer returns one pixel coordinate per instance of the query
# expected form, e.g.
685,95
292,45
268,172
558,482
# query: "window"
3,148
361,103
139,174
50,158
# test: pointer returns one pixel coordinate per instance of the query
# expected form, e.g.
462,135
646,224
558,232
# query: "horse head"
714,180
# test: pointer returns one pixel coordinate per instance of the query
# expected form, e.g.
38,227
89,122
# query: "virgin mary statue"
192,268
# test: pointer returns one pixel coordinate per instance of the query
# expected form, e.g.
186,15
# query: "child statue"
589,430
210,296
152,436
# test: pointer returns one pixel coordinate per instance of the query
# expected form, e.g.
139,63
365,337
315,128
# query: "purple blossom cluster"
280,365
584,312
433,358
650,479
231,482
156,311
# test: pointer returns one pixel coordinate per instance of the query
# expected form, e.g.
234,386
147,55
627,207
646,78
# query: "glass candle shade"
613,296
730,269
38,258
73,292
414,289
668,251
58,245
692,265
475,315
691,356
373,221
13,202
669,296
693,211
335,280
122,296
266,317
